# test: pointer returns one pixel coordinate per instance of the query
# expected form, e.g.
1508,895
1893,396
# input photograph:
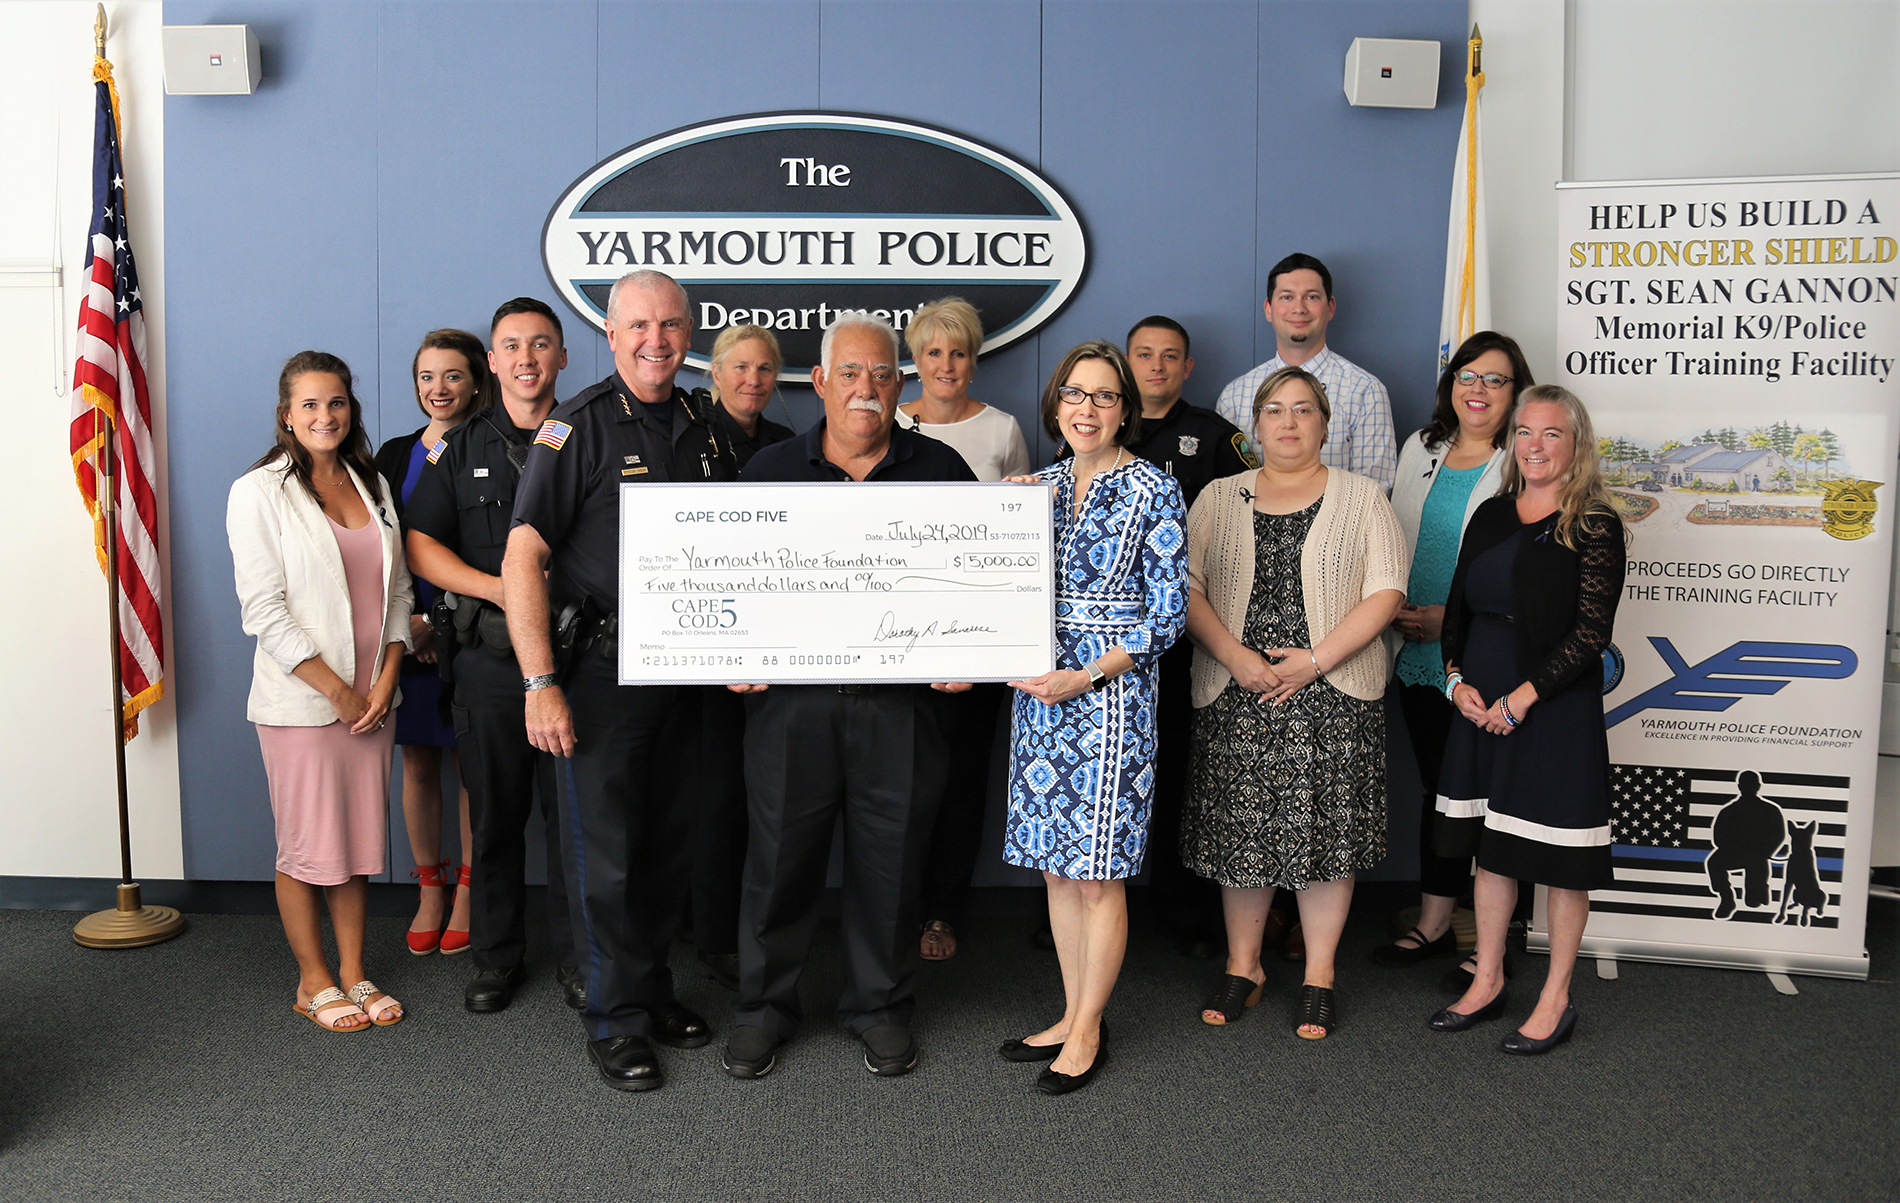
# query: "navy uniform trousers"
624,840
505,774
876,756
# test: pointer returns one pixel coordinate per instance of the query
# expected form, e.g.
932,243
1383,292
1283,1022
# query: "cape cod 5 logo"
787,219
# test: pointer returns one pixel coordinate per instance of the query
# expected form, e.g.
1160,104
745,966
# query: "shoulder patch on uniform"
553,434
435,452
1240,447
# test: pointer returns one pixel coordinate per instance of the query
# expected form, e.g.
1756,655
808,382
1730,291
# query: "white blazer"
294,596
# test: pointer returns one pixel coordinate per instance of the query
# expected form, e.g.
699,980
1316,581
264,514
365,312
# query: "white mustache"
867,404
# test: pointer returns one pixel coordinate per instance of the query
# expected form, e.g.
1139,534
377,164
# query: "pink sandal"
327,1007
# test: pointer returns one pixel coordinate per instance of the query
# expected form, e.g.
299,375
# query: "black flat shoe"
573,986
1458,979
1524,1046
1394,956
889,1051
679,1027
1449,1020
750,1052
1016,1050
1232,995
1052,1083
1317,1009
626,1063
493,989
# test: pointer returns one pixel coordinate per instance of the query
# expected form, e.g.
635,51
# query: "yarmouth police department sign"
786,220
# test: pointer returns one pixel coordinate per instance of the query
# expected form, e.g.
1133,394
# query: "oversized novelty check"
846,583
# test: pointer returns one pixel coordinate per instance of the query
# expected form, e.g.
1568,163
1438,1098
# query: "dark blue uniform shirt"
911,456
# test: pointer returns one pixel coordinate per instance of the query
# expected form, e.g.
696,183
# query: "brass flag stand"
130,924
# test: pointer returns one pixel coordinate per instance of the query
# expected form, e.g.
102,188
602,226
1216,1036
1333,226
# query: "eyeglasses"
1492,380
1302,411
1106,399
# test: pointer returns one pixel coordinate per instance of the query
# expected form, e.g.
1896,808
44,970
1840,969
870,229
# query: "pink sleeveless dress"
329,790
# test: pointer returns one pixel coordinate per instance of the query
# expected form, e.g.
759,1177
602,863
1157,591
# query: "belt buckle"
857,688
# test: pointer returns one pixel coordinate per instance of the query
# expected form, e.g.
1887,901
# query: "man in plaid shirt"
1299,305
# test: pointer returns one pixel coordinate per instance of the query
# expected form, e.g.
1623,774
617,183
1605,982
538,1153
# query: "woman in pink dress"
322,586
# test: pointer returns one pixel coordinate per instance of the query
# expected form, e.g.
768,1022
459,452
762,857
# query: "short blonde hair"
951,320
731,337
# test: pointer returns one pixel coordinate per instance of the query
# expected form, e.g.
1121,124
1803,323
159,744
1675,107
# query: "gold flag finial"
99,32
1477,50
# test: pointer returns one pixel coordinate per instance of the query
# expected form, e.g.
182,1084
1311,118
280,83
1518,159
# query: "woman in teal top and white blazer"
1446,471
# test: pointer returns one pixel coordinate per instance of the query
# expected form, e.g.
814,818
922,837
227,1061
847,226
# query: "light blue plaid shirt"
1359,436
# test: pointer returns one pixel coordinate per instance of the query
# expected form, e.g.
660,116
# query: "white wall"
1673,89
58,804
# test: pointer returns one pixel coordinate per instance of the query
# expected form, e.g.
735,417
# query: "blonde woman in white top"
1294,570
944,338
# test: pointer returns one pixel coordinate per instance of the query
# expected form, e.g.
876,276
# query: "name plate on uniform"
835,583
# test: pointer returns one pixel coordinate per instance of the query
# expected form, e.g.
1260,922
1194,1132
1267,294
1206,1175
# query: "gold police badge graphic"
1847,512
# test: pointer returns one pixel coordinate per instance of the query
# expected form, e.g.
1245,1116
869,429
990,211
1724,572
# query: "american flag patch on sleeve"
435,452
553,434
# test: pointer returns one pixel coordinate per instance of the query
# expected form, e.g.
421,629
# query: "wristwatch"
543,681
1097,678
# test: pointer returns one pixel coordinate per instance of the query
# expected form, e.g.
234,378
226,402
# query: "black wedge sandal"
1316,1010
1233,994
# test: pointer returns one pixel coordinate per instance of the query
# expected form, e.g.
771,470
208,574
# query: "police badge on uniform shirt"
1190,445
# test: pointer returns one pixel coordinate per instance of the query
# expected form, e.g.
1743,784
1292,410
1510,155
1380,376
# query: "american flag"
1660,821
111,401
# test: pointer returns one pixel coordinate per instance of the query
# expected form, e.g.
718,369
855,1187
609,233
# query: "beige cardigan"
1354,550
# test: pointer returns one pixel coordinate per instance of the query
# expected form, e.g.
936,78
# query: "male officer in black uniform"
457,524
873,755
1195,446
624,833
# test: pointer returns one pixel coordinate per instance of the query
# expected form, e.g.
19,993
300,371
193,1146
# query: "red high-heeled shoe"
422,943
454,941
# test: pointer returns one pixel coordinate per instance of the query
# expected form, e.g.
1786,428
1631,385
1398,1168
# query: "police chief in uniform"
624,833
873,754
1194,445
457,529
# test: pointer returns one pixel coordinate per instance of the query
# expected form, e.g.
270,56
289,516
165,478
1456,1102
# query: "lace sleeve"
1599,587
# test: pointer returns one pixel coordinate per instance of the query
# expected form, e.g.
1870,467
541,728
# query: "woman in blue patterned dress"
1081,781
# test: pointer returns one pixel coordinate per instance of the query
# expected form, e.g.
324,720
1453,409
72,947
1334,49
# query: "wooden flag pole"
130,924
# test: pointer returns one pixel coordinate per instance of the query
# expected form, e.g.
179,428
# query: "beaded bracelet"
1504,704
1451,683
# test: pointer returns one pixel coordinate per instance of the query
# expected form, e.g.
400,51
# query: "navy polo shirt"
910,457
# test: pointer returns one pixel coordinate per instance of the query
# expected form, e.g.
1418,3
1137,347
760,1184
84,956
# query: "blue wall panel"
393,171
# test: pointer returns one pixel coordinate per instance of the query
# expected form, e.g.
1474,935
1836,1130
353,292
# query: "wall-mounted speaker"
1392,73
211,60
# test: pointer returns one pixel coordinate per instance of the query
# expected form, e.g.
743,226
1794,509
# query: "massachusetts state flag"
1696,843
111,402
1467,307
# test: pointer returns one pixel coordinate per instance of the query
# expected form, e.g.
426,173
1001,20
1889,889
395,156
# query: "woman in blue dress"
1081,781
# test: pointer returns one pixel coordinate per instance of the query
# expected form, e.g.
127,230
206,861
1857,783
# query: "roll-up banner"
1735,344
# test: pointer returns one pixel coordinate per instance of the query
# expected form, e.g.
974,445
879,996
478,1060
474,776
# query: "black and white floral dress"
1292,794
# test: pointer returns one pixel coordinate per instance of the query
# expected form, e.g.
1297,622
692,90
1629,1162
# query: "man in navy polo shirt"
873,753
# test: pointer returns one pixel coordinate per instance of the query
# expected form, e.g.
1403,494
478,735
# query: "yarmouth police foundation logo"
786,220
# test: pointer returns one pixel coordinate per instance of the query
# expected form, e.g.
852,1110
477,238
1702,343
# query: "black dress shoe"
679,1027
573,986
1524,1046
1393,955
1051,1082
493,989
1016,1050
888,1050
1449,1020
750,1052
722,967
626,1063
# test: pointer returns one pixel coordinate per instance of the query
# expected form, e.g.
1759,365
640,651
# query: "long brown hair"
1130,416
1444,425
471,350
355,451
1583,499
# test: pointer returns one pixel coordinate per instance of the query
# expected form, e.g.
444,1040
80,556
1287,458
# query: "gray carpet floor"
179,1072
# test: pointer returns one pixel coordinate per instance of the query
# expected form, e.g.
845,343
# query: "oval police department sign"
786,220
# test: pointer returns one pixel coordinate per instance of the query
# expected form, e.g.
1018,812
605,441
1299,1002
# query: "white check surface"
846,583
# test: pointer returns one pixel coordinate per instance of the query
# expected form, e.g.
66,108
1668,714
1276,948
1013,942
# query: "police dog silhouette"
1746,834
1802,883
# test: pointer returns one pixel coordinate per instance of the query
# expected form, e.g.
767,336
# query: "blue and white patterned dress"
1081,773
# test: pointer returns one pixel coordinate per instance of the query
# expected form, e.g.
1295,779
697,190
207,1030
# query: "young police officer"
624,833
457,524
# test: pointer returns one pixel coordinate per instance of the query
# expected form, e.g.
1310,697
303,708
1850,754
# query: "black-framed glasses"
1106,399
1492,380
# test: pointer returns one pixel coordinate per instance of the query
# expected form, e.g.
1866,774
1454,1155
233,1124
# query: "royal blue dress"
1082,773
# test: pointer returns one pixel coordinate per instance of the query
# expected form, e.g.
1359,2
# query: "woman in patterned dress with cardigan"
1295,570
1081,780
1525,786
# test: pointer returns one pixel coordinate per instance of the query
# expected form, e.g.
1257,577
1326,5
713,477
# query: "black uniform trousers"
957,836
875,756
716,795
1188,905
623,846
505,774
